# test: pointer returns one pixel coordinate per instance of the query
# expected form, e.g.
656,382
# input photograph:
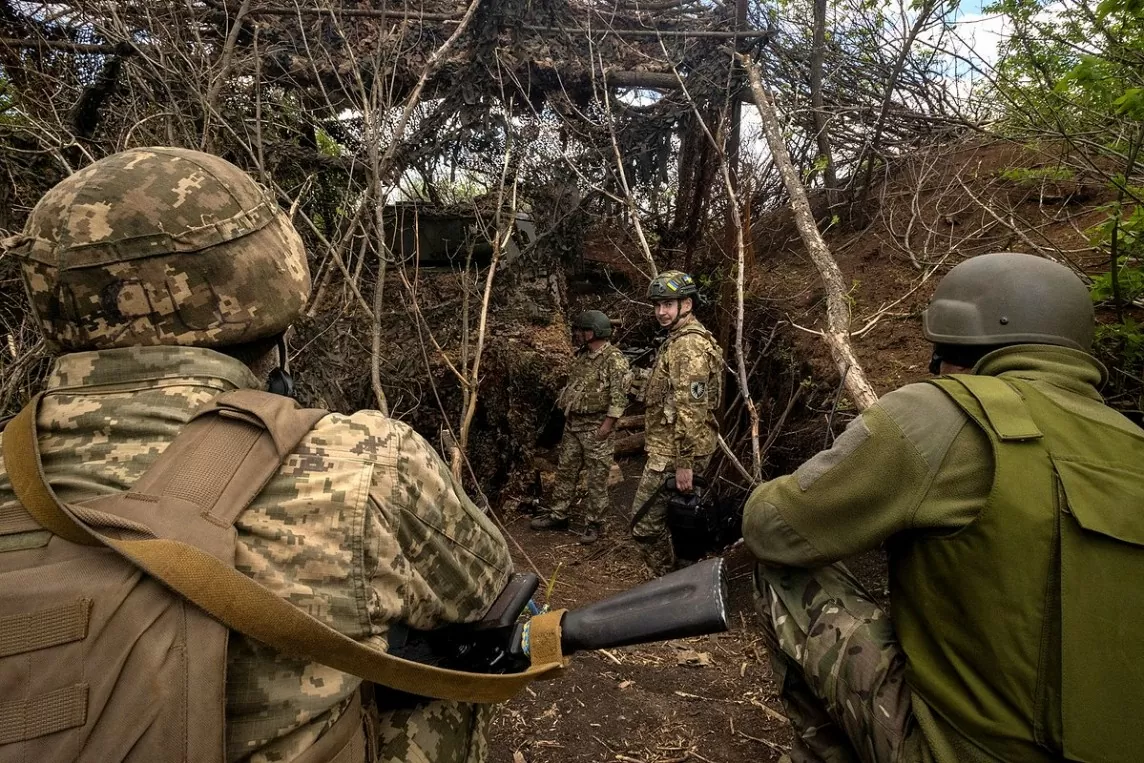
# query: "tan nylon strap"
25,473
229,452
38,716
245,606
202,472
280,416
30,631
544,638
239,602
14,518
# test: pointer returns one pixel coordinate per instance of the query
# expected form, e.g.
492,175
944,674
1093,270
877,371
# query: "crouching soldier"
593,399
1011,502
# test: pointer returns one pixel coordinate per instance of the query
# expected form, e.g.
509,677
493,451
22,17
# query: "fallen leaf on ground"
694,659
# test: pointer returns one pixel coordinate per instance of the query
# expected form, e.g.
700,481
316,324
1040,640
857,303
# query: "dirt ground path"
706,699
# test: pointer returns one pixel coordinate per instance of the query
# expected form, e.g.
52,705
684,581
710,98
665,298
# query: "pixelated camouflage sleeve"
619,382
691,378
442,561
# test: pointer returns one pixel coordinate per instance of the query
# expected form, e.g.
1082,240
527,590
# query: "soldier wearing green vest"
1011,502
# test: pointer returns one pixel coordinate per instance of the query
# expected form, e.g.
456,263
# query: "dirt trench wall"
427,341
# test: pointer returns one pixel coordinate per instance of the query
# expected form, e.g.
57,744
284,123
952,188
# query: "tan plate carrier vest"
113,635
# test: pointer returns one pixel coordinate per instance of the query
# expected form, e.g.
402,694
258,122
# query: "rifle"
687,602
635,354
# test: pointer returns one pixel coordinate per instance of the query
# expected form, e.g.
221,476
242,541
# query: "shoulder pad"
698,332
696,328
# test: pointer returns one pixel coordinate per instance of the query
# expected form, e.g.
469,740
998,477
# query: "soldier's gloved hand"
683,480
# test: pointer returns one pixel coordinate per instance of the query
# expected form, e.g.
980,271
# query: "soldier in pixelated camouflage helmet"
161,246
157,273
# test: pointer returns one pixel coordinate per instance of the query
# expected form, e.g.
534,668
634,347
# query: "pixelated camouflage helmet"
1010,298
672,284
594,321
160,246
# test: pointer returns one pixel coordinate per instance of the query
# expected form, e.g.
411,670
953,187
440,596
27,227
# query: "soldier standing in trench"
593,400
681,429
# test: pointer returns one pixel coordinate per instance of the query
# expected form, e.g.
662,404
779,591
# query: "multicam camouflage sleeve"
691,379
619,383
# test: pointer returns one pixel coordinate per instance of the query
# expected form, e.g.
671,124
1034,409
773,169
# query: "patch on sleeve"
848,442
698,390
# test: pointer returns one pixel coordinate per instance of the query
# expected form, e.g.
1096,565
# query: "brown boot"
549,523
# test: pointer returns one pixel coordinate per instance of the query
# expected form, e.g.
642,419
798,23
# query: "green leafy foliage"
1070,69
1120,343
327,146
1125,340
1131,282
1121,347
1128,229
1073,71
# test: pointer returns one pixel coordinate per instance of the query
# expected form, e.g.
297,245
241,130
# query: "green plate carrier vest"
1024,629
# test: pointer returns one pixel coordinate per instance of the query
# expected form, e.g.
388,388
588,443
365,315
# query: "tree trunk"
837,332
870,152
821,128
630,445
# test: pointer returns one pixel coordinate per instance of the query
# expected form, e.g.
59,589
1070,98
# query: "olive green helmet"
160,246
596,322
1009,298
672,284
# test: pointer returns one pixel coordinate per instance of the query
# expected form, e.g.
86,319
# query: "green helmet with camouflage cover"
596,322
1010,298
672,284
160,246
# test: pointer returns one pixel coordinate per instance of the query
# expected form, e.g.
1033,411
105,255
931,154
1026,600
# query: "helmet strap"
680,315
280,382
935,363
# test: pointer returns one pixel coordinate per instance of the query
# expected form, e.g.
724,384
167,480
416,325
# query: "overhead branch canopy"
301,90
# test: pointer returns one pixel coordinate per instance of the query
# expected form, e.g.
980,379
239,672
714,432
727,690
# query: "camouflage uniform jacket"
597,386
841,502
683,394
363,525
